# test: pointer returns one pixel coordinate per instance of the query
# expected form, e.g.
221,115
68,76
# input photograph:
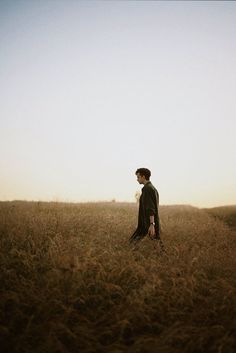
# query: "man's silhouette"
148,216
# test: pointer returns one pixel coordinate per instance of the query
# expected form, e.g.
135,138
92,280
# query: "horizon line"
112,202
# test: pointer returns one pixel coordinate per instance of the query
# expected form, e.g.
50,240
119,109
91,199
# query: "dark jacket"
148,206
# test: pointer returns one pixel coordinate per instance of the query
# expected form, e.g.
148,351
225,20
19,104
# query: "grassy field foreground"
71,283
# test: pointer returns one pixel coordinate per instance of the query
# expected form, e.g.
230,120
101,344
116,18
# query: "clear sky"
90,91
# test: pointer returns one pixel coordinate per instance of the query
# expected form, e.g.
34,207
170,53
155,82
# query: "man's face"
140,178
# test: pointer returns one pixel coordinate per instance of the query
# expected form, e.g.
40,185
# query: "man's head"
143,175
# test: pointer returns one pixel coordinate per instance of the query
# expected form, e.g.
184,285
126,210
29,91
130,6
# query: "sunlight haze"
93,90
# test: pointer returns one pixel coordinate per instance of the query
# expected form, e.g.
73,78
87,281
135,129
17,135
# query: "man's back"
150,189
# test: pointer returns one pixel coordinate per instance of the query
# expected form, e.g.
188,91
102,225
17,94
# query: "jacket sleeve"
149,202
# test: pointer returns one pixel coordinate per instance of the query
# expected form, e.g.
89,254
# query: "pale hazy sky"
91,91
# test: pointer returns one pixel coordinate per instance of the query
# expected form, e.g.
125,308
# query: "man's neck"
146,181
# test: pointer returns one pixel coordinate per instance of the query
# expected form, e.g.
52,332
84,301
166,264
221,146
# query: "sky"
92,90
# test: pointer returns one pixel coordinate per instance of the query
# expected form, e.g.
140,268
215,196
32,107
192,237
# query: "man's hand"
151,230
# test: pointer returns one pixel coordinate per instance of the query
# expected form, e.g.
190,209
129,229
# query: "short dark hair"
144,172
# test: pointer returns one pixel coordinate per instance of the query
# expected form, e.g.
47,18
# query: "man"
148,216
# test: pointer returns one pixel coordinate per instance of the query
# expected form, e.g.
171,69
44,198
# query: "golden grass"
225,213
71,283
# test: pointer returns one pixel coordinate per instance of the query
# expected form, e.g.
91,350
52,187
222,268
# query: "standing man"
148,216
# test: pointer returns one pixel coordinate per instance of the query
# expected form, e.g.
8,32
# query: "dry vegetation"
225,213
71,283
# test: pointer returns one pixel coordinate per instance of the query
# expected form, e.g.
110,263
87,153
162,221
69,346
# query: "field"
70,282
225,213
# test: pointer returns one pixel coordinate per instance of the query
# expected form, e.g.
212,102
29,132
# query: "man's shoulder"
148,187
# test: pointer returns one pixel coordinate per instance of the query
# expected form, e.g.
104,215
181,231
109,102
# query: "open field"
225,213
71,283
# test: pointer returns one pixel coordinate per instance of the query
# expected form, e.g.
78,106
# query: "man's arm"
150,206
151,219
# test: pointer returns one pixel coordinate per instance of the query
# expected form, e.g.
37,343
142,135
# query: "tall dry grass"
225,213
71,283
